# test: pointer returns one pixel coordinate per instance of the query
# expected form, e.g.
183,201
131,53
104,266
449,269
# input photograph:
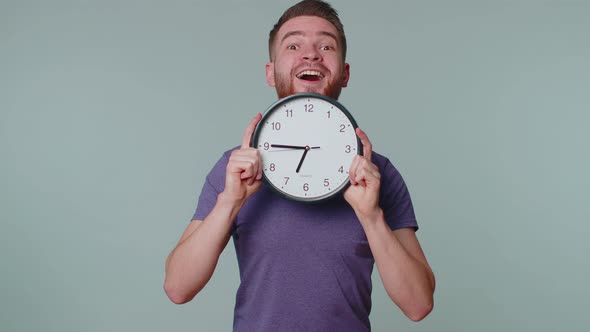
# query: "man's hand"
365,182
244,169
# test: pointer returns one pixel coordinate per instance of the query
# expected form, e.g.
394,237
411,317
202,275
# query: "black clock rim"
277,104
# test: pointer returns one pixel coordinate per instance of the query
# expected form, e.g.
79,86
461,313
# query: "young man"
305,267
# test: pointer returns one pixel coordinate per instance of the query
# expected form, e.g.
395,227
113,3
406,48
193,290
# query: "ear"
270,74
346,75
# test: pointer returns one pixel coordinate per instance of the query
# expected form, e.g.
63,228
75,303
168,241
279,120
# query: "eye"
326,48
291,47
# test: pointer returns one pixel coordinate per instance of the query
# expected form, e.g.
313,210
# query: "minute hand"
297,147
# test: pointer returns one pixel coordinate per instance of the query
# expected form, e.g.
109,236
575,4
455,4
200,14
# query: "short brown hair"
317,8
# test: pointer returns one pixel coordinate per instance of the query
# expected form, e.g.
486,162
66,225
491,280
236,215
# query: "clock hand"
288,146
297,147
302,158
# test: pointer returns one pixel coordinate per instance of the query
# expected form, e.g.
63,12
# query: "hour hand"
301,161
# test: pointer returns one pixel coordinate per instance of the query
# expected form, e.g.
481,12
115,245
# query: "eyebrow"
301,33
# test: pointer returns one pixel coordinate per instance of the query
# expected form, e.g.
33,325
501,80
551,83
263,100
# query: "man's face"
307,57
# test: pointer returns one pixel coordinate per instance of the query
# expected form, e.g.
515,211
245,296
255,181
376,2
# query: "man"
305,267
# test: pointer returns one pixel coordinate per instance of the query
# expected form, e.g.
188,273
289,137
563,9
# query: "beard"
284,86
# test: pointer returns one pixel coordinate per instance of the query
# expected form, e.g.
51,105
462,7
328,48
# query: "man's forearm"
192,263
406,276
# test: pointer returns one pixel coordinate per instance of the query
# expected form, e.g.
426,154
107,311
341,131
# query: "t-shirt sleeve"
395,199
214,184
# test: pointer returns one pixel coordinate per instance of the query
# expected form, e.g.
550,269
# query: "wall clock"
307,143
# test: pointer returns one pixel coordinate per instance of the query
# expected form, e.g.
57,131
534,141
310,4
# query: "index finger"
367,146
250,130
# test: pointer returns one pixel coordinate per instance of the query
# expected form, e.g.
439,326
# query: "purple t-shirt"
305,267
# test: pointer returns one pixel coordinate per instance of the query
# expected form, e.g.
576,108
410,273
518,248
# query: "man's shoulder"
221,162
224,158
379,157
229,151
381,160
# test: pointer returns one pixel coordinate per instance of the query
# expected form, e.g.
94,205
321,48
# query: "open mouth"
310,75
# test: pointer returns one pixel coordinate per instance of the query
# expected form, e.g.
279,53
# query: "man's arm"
401,263
192,263
403,268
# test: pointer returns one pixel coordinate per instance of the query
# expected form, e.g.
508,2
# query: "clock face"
307,143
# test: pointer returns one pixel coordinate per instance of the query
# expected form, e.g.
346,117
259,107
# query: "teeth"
310,73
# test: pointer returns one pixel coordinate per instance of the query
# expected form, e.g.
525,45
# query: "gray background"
112,113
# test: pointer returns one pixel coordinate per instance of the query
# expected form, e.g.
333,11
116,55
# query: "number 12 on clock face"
307,143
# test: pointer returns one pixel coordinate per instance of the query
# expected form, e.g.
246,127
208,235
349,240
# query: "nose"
311,54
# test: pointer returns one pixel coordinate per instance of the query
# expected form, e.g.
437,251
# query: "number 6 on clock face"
307,143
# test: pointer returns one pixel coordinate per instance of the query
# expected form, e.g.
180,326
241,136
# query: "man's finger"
352,171
250,130
259,174
367,147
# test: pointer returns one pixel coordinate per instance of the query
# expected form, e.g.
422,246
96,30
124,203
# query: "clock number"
341,169
289,113
309,108
305,187
273,167
277,126
326,182
286,179
348,149
328,114
266,146
342,127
